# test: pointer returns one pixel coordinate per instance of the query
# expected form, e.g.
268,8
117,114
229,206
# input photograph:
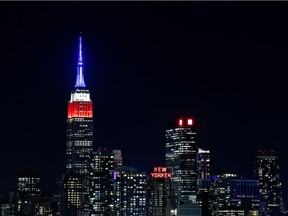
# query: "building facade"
72,198
101,186
158,191
203,163
79,135
130,192
267,172
181,158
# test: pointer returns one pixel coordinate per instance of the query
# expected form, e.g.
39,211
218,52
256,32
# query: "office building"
181,158
158,190
203,163
71,198
267,172
79,124
79,134
130,192
102,183
28,188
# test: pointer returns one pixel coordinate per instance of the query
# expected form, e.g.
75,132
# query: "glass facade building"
181,158
130,192
101,186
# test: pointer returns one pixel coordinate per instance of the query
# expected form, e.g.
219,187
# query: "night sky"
146,63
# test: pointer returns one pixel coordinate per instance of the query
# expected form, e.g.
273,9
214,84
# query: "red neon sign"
185,122
160,172
80,109
190,122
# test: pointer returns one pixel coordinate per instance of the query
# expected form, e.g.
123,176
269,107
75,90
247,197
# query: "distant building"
231,212
188,210
203,163
267,171
244,193
118,158
130,192
28,188
181,158
102,183
203,195
158,191
71,199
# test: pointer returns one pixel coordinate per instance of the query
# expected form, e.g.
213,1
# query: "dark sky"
146,63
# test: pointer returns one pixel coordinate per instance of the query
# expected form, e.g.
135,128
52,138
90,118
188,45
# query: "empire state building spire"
80,72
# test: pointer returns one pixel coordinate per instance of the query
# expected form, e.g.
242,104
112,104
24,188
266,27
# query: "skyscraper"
79,142
79,124
181,158
267,171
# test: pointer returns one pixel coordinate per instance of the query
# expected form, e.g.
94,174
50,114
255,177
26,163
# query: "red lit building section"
185,122
80,109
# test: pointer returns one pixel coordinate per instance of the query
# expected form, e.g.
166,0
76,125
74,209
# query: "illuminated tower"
181,159
79,145
79,124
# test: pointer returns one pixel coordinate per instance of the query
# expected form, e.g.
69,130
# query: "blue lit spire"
80,72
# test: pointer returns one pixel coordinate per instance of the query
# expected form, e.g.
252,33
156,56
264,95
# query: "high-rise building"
203,163
267,171
130,192
79,124
102,183
158,191
28,187
72,199
181,158
79,137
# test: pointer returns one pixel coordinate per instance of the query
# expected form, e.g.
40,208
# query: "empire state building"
75,184
79,124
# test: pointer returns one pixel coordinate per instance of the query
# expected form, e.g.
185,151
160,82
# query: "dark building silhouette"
203,163
71,199
267,172
158,190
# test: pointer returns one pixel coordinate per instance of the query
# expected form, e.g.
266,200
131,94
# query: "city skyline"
142,75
